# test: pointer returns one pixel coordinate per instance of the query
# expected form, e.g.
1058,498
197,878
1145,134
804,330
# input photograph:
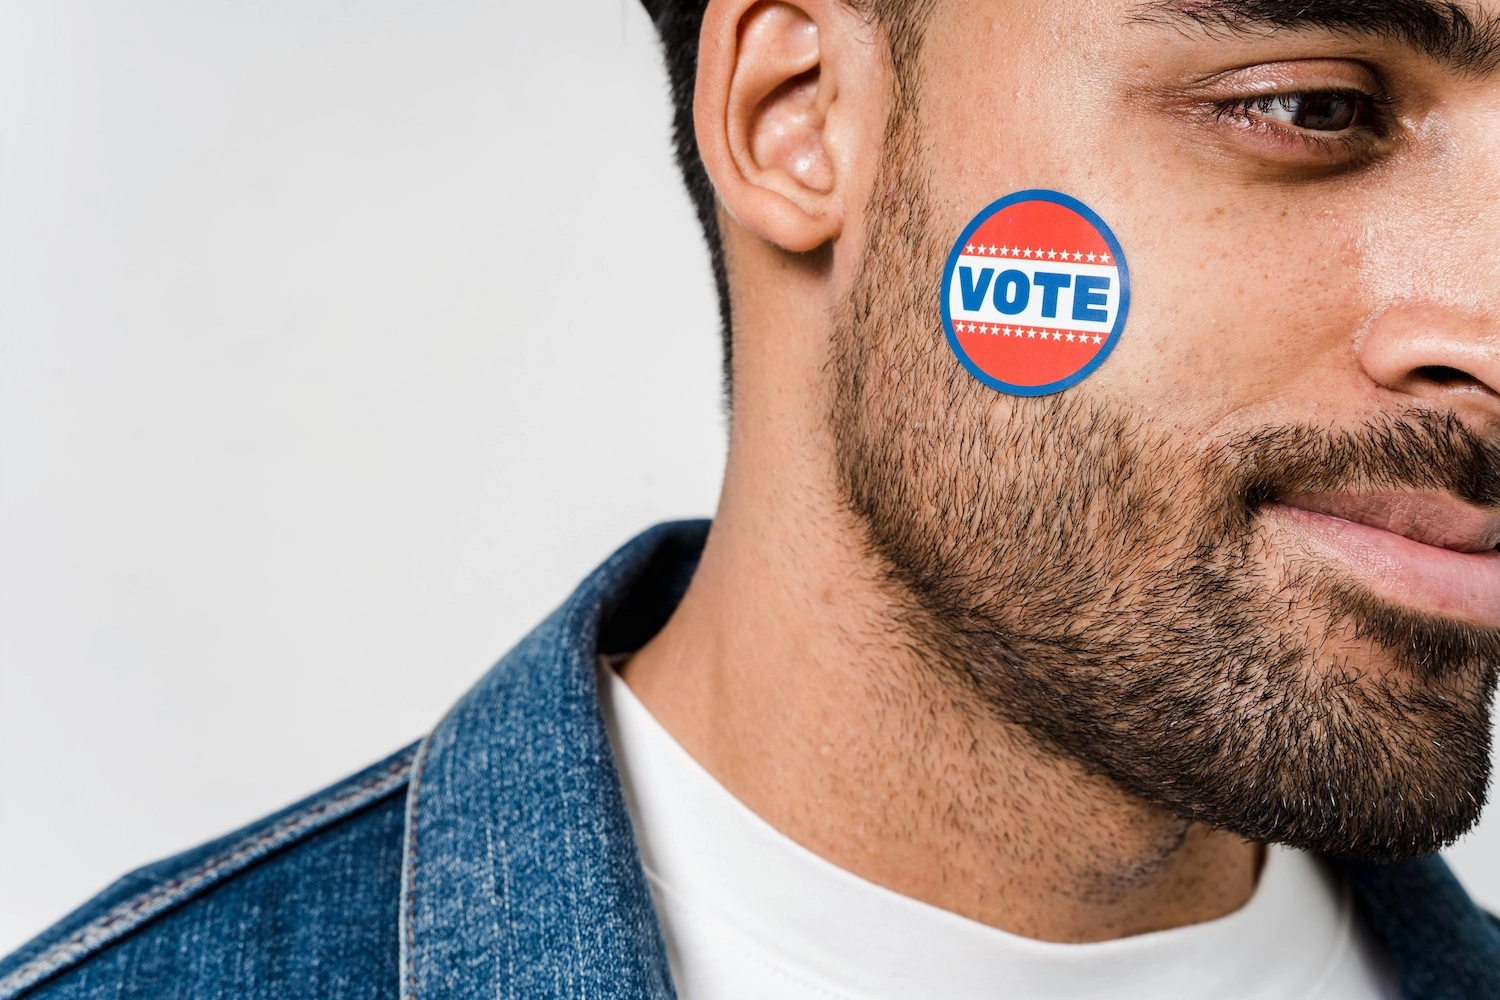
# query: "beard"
1104,583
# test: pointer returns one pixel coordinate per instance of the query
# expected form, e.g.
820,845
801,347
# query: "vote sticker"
1035,293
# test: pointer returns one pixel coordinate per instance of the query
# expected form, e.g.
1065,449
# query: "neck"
785,640
787,672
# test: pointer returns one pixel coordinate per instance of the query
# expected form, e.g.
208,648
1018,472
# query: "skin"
1275,281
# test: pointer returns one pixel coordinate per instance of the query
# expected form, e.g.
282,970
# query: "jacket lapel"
521,877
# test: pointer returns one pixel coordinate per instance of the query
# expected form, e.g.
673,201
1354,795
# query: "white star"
1070,338
1104,257
1056,335
1031,334
969,248
1091,258
1098,340
1077,255
1027,251
1004,251
1006,331
1052,255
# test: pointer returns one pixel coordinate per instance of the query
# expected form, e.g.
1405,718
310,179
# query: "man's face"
1247,568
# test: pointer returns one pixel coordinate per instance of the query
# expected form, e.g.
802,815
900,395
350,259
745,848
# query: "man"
1158,668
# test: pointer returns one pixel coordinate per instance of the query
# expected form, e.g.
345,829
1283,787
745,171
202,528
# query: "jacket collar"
520,873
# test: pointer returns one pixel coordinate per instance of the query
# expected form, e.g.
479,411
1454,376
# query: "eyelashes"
1318,111
1338,124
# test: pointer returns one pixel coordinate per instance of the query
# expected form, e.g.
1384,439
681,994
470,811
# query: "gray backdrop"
337,340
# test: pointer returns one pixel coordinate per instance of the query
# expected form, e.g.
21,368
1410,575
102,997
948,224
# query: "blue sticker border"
1057,198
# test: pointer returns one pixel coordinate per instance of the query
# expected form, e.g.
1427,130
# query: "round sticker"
1035,293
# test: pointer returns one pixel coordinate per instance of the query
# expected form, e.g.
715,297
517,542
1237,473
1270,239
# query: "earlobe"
761,110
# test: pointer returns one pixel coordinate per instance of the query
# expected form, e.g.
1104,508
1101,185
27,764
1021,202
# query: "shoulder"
303,902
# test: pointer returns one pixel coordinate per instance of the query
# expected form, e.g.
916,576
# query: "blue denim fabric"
495,859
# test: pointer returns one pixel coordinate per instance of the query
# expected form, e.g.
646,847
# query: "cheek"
1238,308
1241,302
1245,299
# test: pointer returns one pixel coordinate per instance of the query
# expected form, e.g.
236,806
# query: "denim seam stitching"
134,912
408,941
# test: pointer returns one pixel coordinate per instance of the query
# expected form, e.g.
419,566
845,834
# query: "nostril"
1446,376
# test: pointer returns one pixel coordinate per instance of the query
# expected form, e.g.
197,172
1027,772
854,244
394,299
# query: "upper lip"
1423,517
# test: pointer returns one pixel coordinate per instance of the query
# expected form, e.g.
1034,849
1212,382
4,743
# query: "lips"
1430,553
1431,520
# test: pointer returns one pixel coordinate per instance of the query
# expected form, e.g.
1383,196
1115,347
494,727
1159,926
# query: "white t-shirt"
749,913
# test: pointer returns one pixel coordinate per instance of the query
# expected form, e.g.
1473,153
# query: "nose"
1442,358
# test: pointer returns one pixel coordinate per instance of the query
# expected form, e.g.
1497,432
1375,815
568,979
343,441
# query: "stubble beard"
1098,580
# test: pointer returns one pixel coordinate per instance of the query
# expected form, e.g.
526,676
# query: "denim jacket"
495,859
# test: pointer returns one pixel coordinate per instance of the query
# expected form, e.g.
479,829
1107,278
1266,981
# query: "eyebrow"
1450,33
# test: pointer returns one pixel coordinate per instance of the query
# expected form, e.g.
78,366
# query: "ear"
766,111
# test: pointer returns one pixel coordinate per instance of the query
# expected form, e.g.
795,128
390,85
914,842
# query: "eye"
1301,118
1325,112
1314,111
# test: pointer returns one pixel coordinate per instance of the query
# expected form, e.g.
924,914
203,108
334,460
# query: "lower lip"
1463,585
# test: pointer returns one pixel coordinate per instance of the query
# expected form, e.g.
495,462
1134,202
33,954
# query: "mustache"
1419,450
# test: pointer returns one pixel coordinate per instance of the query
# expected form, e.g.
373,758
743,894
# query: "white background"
308,408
